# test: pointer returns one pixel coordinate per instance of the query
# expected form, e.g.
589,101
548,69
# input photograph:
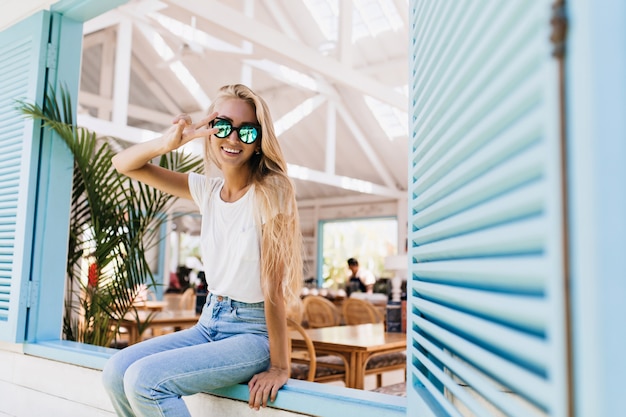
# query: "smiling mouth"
231,151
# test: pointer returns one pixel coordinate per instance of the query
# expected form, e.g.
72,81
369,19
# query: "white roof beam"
347,183
344,200
331,137
107,71
385,66
345,33
238,23
123,53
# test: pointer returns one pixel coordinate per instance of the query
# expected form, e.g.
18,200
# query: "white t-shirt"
230,241
366,276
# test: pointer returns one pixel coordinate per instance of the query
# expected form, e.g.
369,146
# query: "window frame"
320,249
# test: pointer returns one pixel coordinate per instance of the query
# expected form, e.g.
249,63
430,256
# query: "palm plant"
113,223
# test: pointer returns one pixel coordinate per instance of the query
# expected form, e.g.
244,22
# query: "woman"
251,250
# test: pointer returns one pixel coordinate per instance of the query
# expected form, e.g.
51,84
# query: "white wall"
14,11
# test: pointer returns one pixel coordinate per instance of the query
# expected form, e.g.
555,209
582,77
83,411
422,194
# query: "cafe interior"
340,111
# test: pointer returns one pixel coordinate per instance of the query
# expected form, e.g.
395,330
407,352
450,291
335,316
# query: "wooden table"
151,305
357,344
135,324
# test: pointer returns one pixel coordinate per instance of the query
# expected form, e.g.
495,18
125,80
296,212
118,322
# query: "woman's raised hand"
184,130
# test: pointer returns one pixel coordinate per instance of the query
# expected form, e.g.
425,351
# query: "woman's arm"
134,161
265,385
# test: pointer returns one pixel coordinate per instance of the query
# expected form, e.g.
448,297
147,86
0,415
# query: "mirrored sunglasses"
247,133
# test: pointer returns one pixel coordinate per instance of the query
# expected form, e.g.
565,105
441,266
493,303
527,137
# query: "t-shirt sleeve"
197,187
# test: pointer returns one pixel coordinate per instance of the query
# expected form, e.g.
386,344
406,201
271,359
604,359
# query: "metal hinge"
51,57
32,293
559,29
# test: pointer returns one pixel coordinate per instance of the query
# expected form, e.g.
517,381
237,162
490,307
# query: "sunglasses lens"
224,128
248,134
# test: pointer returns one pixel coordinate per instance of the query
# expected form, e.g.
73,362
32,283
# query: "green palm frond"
113,222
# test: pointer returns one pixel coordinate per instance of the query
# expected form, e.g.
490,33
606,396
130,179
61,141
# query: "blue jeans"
228,345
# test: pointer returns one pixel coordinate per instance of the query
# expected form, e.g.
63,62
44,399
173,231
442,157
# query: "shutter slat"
518,274
521,311
523,237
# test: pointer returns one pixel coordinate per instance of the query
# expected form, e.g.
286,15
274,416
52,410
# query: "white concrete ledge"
66,359
327,400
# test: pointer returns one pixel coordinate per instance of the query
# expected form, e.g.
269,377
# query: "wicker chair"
306,365
357,311
320,312
188,300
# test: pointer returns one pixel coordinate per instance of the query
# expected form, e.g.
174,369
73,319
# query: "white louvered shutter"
486,315
23,48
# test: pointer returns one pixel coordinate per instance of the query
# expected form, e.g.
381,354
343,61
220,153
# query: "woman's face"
231,151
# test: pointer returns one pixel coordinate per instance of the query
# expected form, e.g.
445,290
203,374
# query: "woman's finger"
206,120
274,392
255,398
182,116
179,129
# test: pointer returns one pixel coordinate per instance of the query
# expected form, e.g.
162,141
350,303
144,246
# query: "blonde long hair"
275,194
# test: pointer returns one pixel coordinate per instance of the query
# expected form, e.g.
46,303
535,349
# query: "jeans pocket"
249,315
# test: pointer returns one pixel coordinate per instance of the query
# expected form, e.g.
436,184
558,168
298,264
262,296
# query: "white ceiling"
132,89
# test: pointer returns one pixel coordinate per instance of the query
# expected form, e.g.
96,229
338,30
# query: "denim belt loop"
234,303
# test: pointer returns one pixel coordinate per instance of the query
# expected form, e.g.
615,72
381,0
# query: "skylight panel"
391,120
295,115
325,13
370,17
377,16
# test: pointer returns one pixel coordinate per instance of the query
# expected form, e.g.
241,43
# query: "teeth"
231,150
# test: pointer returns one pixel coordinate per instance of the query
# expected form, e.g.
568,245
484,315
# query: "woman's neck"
235,186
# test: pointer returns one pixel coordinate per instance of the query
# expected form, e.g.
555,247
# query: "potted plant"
113,222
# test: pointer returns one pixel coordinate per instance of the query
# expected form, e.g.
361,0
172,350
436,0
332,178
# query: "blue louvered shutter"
486,300
23,48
